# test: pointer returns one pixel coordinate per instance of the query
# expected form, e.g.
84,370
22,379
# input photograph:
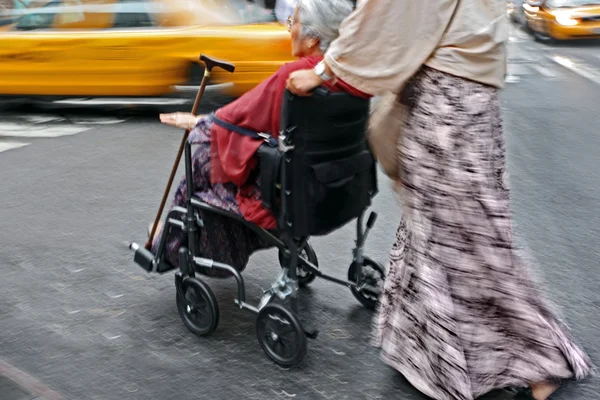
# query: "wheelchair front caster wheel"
198,307
281,335
305,275
373,275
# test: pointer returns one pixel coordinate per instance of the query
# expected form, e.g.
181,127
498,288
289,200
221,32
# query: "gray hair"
322,19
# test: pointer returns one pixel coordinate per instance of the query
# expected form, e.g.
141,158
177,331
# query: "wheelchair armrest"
321,91
269,162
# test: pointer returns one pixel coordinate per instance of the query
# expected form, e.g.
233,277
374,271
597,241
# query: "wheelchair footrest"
143,257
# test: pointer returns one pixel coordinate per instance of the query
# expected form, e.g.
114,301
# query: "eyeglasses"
290,22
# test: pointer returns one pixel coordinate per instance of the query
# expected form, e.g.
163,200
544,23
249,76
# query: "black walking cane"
209,64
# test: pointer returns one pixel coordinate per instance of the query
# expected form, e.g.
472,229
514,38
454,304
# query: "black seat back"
330,175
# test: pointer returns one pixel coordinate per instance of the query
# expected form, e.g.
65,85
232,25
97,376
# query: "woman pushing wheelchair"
225,162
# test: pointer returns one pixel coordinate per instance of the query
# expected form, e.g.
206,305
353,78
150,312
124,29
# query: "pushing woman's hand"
302,82
181,120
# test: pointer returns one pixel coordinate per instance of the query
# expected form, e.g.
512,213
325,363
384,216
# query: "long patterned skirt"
221,239
461,314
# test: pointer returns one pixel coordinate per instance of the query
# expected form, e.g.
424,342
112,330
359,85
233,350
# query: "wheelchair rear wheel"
305,275
281,335
373,275
198,307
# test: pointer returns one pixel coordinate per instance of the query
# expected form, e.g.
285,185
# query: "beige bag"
385,129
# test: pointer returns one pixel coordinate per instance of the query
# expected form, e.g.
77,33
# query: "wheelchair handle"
211,63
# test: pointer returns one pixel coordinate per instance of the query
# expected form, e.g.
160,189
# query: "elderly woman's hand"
181,120
302,82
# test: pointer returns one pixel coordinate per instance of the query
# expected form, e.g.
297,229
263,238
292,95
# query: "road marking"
518,36
512,79
46,126
32,131
577,67
516,69
41,119
27,382
96,121
6,145
123,101
515,39
519,54
547,72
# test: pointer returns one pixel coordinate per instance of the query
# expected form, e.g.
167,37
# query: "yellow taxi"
563,19
137,48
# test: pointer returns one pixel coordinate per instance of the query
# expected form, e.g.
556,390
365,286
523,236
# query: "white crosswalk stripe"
29,126
39,131
524,63
518,69
577,66
546,72
9,145
527,59
40,119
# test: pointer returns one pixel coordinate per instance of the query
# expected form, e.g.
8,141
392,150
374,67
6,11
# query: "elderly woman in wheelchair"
270,170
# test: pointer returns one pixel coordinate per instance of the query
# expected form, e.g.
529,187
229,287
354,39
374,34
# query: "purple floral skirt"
221,239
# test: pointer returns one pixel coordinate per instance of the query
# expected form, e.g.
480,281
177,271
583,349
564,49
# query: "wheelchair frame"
273,305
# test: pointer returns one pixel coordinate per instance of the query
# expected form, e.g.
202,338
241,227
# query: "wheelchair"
316,177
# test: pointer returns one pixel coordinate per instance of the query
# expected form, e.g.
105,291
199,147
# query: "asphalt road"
84,322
